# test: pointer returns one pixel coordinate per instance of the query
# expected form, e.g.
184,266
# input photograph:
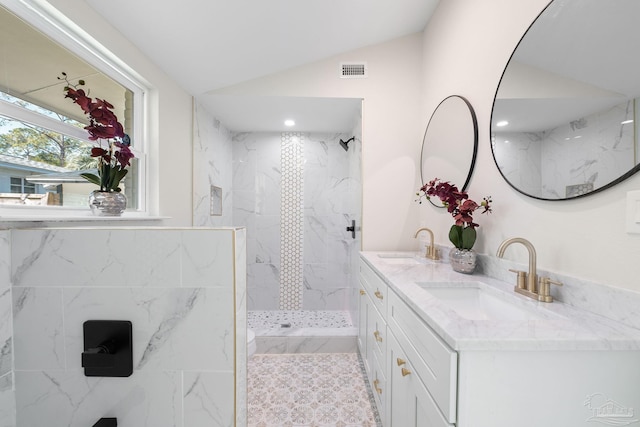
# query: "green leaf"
455,236
119,176
92,178
115,176
105,173
468,237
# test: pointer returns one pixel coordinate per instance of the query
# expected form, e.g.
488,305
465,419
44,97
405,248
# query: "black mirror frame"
474,121
623,177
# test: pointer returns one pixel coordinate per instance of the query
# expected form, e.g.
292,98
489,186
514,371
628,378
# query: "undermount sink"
400,258
477,301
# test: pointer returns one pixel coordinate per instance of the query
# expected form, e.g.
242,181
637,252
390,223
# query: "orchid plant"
463,233
114,156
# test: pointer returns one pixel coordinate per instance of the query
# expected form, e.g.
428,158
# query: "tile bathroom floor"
322,389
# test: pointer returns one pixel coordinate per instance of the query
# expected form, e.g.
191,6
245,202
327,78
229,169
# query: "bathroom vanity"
443,349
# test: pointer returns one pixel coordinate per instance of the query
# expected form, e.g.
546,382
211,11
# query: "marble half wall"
7,393
182,289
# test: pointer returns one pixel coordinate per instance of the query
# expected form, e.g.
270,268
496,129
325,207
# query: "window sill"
79,218
25,214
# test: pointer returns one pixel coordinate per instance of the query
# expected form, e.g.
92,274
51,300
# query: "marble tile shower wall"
212,150
544,163
256,206
331,199
177,288
7,393
355,200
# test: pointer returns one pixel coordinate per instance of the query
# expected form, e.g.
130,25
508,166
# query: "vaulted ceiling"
206,45
210,44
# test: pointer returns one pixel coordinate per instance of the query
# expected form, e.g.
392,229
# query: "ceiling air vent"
353,70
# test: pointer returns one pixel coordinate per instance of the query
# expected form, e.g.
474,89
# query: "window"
43,146
19,185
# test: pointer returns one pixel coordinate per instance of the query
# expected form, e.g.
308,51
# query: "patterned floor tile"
324,389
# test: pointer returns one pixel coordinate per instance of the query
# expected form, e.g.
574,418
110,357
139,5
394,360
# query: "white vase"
462,260
107,203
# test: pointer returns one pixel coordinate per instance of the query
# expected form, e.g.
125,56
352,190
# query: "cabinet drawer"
411,404
375,286
379,386
424,407
377,334
363,315
434,362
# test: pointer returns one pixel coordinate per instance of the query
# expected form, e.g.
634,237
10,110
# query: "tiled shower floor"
322,389
274,319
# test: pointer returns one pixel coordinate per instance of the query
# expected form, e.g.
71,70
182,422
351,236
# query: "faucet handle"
521,278
433,253
545,291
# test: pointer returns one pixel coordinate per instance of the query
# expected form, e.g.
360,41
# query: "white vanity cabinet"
402,378
372,333
545,372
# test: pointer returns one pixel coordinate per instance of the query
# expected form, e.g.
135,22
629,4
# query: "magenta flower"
123,155
103,125
458,204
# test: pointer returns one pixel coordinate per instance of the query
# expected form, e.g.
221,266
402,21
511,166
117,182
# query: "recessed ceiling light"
289,122
626,122
502,123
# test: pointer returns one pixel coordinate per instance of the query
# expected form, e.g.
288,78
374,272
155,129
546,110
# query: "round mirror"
450,143
563,121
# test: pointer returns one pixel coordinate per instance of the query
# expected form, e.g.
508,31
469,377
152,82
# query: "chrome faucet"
527,283
431,252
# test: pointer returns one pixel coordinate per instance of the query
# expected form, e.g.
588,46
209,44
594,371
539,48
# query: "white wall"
391,129
466,48
170,134
463,51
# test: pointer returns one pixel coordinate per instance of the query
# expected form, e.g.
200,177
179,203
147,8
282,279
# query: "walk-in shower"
297,192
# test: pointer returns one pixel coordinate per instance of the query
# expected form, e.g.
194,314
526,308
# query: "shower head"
344,144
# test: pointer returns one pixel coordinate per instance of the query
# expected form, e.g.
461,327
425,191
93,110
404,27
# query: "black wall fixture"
352,228
107,348
106,422
345,144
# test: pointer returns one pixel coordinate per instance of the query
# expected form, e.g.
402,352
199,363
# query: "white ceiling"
206,45
267,113
210,44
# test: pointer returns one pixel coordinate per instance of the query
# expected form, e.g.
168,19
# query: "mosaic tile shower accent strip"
291,221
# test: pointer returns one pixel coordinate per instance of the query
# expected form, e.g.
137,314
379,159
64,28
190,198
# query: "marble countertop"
556,326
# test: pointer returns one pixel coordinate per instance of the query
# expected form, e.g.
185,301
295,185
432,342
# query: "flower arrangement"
114,157
463,233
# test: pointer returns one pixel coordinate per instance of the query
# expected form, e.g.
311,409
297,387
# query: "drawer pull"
401,361
376,384
362,292
378,294
376,334
405,372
